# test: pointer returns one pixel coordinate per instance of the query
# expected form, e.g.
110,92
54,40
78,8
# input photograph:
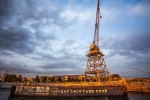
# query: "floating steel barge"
67,91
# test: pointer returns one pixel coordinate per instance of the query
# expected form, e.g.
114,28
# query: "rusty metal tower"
96,66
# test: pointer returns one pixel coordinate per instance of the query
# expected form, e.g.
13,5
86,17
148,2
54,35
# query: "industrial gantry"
96,67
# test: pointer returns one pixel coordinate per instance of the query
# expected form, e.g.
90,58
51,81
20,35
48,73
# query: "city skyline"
52,37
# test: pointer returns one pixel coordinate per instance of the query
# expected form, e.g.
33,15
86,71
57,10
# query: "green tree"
44,79
59,79
25,79
19,78
6,78
11,78
37,79
75,79
52,79
14,78
69,79
115,77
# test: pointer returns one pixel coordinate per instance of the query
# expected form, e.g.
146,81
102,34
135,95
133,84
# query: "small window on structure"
79,91
100,91
82,91
87,91
61,91
97,91
92,91
64,91
55,90
75,91
103,91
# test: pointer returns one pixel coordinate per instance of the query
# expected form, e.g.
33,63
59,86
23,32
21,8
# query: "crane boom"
96,34
141,71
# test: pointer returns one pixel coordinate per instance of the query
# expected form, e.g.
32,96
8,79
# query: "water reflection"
71,98
4,94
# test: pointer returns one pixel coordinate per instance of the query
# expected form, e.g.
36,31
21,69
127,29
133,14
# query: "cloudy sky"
52,37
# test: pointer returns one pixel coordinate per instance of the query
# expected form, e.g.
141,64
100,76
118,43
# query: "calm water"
4,93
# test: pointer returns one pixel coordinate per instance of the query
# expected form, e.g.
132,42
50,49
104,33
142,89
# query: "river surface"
4,95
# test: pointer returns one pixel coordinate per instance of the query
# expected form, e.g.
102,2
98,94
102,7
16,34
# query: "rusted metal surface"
62,91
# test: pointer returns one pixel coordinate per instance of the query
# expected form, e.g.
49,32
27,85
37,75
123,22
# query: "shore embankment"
138,87
6,85
135,86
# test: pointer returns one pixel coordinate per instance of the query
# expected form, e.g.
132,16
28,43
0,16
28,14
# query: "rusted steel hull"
67,91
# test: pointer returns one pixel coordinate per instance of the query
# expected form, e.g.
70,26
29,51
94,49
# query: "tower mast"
96,67
96,34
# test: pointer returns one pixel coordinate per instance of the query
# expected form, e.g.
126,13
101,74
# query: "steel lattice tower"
96,66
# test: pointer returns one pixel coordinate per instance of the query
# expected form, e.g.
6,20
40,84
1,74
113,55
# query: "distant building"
65,77
46,78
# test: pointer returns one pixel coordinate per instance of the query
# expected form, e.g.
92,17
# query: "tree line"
58,79
15,78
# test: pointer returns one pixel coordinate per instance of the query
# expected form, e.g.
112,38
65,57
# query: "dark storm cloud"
14,66
134,45
55,67
44,36
6,10
59,65
5,53
37,11
15,16
22,26
12,36
65,55
47,56
61,68
16,39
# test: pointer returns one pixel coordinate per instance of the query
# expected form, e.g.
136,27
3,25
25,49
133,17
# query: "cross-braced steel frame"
96,68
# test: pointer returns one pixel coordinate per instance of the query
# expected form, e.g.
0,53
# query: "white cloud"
140,9
81,16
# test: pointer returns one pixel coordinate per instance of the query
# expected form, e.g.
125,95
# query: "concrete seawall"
5,85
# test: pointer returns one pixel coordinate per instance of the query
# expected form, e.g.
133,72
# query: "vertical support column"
84,76
98,76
